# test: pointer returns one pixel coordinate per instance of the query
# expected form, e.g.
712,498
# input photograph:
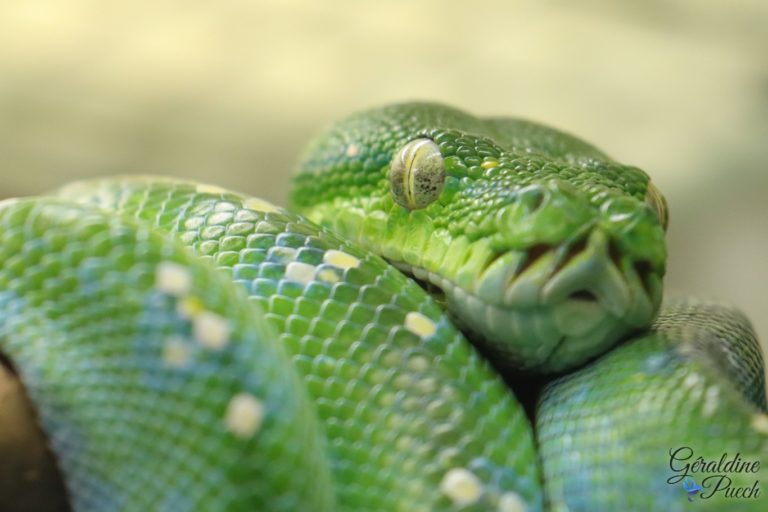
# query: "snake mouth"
550,308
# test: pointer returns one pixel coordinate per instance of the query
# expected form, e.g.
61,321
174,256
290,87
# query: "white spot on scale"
340,259
210,330
172,278
176,352
245,414
219,218
188,237
420,324
710,401
511,502
259,205
461,486
760,423
691,380
352,150
300,272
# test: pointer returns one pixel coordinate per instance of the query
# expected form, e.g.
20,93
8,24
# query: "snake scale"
191,348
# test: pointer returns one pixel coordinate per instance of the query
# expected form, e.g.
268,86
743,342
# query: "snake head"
543,248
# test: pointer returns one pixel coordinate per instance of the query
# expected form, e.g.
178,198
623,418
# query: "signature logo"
727,477
691,487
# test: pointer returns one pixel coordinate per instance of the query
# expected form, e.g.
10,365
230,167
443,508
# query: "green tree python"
189,348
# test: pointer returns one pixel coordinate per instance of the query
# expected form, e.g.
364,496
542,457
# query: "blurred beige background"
229,91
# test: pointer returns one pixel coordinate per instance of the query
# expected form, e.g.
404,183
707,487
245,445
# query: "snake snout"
565,301
596,269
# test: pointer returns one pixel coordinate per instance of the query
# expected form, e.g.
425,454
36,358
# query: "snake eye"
417,174
658,204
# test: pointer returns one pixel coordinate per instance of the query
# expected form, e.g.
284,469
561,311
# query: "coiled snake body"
190,348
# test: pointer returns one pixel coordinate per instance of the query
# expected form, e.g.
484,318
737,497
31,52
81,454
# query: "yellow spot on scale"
353,150
245,414
328,275
259,205
489,164
340,259
511,502
210,330
420,324
300,272
189,307
461,486
173,279
760,423
210,189
176,352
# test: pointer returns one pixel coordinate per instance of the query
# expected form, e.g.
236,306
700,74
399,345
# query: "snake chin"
562,307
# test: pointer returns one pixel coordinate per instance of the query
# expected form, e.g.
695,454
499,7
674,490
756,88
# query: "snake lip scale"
503,296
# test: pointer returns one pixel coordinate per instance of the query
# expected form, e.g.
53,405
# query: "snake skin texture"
188,348
720,336
134,428
408,408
